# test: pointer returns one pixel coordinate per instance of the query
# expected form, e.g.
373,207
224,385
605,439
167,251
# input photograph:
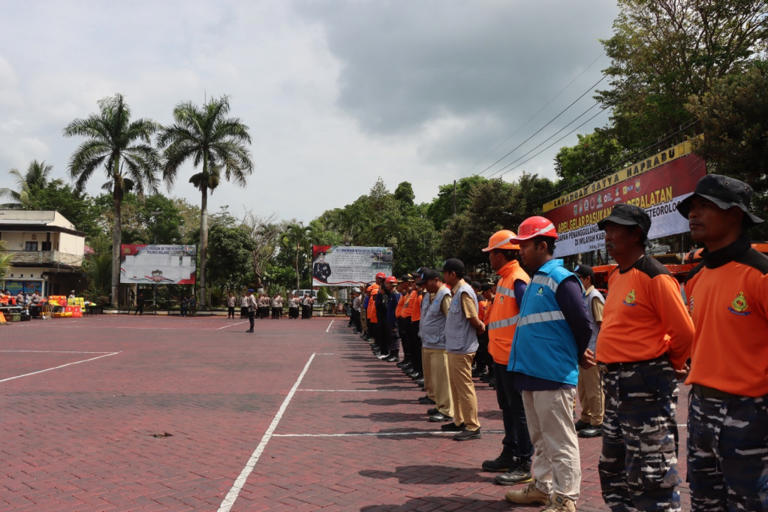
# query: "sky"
336,94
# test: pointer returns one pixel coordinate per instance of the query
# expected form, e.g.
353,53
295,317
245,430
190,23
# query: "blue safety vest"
543,345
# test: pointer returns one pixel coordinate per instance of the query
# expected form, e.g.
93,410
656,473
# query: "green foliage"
594,154
663,51
229,264
493,205
733,116
5,260
442,207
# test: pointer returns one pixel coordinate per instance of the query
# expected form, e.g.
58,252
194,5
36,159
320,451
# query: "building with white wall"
46,252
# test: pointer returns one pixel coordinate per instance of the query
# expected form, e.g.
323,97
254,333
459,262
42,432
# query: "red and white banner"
656,184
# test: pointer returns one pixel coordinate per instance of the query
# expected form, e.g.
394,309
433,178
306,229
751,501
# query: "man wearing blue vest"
551,338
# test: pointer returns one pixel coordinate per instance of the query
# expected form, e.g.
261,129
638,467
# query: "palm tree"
125,149
36,178
214,143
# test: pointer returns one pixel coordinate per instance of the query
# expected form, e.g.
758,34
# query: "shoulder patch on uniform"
755,259
651,267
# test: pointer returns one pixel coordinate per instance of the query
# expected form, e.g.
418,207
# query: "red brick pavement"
92,436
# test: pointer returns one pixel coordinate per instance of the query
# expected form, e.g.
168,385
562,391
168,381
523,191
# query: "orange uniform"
371,311
502,316
644,317
400,305
415,306
728,301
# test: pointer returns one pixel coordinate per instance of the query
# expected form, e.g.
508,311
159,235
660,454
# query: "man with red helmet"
551,337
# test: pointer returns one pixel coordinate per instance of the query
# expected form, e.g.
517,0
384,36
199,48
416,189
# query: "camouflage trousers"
728,452
638,463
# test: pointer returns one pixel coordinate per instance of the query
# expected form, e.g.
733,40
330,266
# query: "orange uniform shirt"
644,316
729,306
371,311
415,306
482,309
502,316
399,308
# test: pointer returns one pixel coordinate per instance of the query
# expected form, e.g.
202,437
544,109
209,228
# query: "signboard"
340,265
656,184
157,264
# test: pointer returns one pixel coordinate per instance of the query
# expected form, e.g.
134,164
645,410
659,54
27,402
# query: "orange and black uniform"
402,324
727,297
483,360
414,310
646,331
501,322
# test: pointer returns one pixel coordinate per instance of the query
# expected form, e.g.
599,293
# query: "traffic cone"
2,318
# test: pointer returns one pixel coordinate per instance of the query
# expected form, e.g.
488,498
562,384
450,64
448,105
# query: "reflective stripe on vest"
500,324
545,281
505,291
547,316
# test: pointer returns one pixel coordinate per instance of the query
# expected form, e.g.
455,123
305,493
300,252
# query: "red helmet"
533,227
381,275
391,279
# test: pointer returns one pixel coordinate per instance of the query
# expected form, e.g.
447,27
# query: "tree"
595,154
733,116
5,260
213,142
230,249
451,198
28,184
663,51
130,162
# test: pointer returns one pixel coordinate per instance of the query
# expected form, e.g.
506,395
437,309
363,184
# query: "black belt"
611,367
707,392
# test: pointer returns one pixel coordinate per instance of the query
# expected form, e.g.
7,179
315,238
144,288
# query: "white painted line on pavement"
390,434
329,325
340,390
12,351
234,492
58,367
232,325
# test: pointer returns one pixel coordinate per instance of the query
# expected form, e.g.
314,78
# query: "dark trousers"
415,342
243,312
277,313
251,317
293,312
516,443
483,359
231,312
638,464
356,323
405,340
306,311
727,452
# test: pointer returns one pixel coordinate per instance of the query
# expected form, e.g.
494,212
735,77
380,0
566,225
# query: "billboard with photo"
157,264
656,184
339,265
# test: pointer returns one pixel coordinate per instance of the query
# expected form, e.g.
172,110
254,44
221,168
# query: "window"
46,245
30,246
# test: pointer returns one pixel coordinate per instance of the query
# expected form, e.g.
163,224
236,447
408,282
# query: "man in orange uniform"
514,462
371,314
727,296
646,335
417,368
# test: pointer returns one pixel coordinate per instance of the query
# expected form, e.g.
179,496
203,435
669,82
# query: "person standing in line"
371,314
727,296
514,462
388,323
462,326
434,311
231,301
482,358
357,304
139,303
416,371
277,306
403,316
306,306
550,340
252,305
244,305
645,337
590,386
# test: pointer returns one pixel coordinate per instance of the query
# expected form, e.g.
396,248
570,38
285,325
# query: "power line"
521,157
555,142
547,104
590,89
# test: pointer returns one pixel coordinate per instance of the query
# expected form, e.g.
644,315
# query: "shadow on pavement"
443,503
428,474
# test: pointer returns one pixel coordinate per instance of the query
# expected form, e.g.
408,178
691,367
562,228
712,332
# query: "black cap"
453,265
485,287
725,192
427,274
628,215
584,271
406,278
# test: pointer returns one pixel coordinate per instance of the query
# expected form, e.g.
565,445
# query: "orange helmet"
533,227
501,240
391,279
